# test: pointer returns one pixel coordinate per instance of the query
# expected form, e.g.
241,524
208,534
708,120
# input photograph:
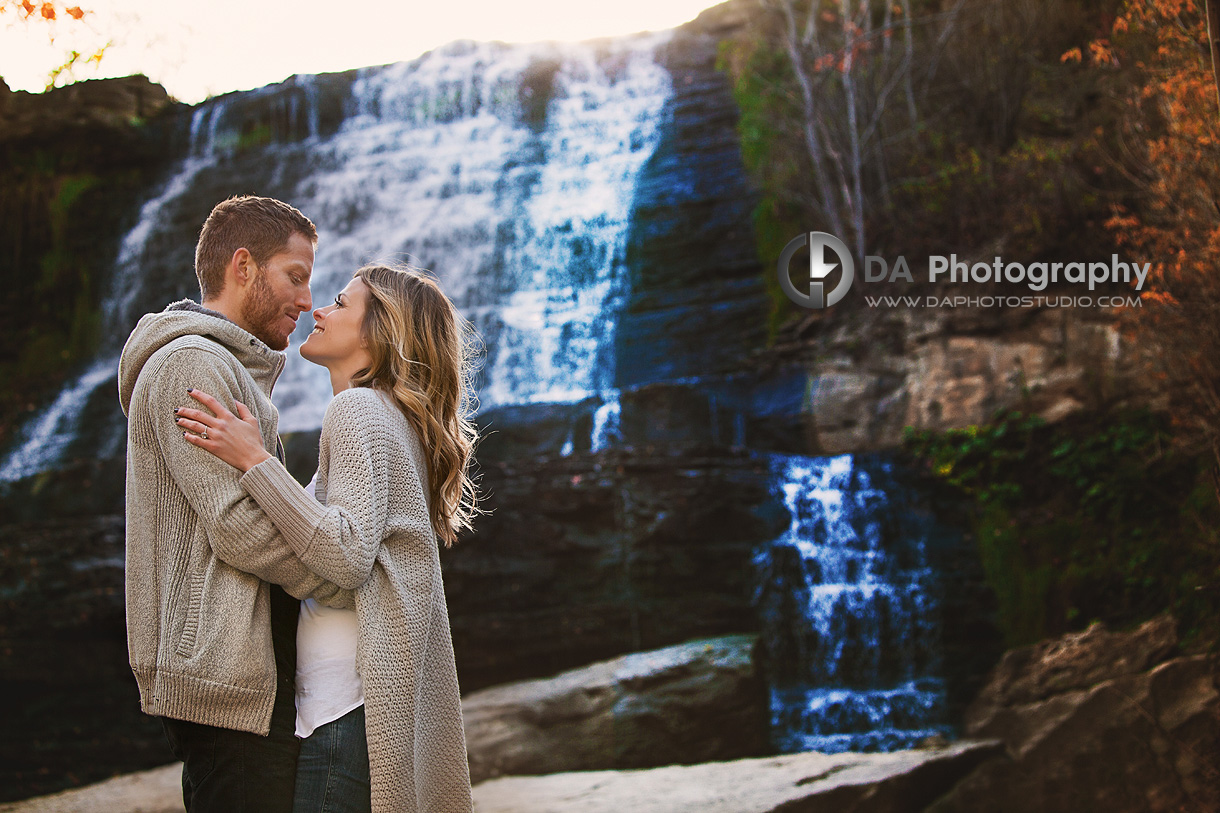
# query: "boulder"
796,783
1097,721
1075,661
698,701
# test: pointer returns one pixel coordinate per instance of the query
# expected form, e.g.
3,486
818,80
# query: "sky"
208,47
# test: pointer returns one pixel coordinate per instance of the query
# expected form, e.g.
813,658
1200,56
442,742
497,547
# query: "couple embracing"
295,641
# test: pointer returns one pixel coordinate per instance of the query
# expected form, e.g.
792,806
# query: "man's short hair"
262,226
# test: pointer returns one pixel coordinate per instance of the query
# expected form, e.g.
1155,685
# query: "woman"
392,479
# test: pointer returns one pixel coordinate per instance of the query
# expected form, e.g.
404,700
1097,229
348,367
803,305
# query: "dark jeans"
228,771
333,770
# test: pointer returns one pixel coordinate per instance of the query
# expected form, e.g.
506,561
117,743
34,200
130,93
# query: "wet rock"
587,557
61,575
695,702
697,305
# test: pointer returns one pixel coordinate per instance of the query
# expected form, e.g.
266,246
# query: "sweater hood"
187,318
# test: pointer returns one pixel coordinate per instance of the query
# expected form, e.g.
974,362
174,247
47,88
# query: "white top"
328,685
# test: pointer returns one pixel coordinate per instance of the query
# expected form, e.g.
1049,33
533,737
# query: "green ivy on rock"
1094,518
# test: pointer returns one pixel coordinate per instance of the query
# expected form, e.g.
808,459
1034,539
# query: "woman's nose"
318,315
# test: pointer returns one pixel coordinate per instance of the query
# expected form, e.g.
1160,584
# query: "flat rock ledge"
796,783
155,791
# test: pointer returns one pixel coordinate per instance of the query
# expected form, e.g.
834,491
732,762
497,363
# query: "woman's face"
335,340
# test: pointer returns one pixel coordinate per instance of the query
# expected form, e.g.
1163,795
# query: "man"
211,634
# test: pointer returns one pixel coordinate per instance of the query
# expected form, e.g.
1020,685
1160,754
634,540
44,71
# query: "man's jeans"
228,771
333,772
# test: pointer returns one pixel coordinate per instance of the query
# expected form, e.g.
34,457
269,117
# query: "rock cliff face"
587,557
90,106
869,372
691,359
73,165
72,709
697,306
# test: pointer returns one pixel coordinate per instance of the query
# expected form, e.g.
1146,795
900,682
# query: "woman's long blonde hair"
422,356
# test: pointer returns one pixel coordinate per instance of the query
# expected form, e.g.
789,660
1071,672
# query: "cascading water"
508,170
849,613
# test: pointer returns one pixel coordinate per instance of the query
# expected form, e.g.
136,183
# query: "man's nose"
304,299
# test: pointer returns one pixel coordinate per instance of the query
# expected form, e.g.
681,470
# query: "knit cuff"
295,513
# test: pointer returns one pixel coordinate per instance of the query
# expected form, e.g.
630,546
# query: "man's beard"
262,313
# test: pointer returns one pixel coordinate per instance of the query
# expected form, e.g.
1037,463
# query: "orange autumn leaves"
1169,149
1174,128
46,11
48,16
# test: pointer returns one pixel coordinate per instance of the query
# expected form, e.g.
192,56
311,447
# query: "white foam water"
521,209
850,612
523,221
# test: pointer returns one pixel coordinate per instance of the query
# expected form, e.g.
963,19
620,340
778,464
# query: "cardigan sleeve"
240,534
338,541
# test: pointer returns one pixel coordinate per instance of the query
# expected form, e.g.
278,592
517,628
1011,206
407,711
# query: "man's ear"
242,267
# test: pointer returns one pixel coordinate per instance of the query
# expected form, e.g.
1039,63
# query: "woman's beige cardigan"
368,531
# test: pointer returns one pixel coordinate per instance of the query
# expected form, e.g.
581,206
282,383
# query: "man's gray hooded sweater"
201,556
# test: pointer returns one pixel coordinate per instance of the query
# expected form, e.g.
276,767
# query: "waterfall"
849,614
507,170
46,438
606,421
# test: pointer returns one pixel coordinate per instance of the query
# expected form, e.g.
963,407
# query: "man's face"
278,293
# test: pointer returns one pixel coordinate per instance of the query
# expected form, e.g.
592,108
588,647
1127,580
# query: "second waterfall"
849,610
